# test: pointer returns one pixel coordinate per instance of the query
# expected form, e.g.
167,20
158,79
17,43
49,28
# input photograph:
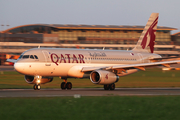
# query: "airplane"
103,67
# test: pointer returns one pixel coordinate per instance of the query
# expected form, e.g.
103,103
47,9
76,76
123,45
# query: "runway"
6,68
78,92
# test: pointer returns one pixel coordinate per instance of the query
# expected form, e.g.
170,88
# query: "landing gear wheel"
37,87
63,85
112,86
106,87
69,85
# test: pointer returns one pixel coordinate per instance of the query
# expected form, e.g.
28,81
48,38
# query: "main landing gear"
37,87
66,85
109,87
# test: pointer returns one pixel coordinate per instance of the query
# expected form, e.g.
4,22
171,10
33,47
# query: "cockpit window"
32,57
28,56
25,57
20,56
35,56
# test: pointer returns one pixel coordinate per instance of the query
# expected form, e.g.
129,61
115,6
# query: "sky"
90,12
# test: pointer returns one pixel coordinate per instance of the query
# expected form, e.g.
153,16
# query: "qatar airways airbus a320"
103,67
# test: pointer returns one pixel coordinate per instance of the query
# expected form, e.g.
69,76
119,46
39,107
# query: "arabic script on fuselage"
97,54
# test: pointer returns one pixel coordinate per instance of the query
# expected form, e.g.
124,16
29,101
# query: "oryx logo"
149,37
131,53
106,76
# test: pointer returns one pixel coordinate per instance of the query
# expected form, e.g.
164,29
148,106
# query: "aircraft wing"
11,60
140,66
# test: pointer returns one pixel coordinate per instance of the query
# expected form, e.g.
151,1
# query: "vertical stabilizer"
147,39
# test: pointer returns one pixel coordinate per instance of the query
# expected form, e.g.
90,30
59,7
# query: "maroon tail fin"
147,39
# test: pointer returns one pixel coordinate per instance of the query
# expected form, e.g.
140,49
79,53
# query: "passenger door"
47,58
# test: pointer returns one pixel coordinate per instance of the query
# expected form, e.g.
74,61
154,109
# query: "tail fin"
147,39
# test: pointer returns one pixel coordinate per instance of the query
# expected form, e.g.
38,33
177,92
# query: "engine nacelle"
39,80
103,77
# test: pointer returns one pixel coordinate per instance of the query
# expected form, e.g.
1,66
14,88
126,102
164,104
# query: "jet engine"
37,79
103,77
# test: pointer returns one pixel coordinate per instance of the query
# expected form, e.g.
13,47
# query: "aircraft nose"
18,67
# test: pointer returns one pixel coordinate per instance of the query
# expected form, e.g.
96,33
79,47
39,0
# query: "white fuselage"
70,62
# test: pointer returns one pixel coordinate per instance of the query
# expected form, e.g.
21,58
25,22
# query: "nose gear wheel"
37,87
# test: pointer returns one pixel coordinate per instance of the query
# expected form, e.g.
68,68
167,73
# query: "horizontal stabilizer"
164,58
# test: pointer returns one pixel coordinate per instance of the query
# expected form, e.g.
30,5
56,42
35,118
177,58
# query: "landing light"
38,81
166,69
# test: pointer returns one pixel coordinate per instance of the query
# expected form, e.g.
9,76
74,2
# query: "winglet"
147,39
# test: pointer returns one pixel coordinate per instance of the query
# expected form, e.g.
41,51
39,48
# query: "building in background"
176,38
103,34
16,40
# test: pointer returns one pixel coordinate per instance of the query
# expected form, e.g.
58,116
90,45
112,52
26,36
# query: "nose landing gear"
37,87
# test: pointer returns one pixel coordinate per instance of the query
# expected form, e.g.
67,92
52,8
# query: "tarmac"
6,68
78,92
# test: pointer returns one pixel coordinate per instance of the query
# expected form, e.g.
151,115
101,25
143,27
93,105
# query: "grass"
88,108
96,108
148,78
